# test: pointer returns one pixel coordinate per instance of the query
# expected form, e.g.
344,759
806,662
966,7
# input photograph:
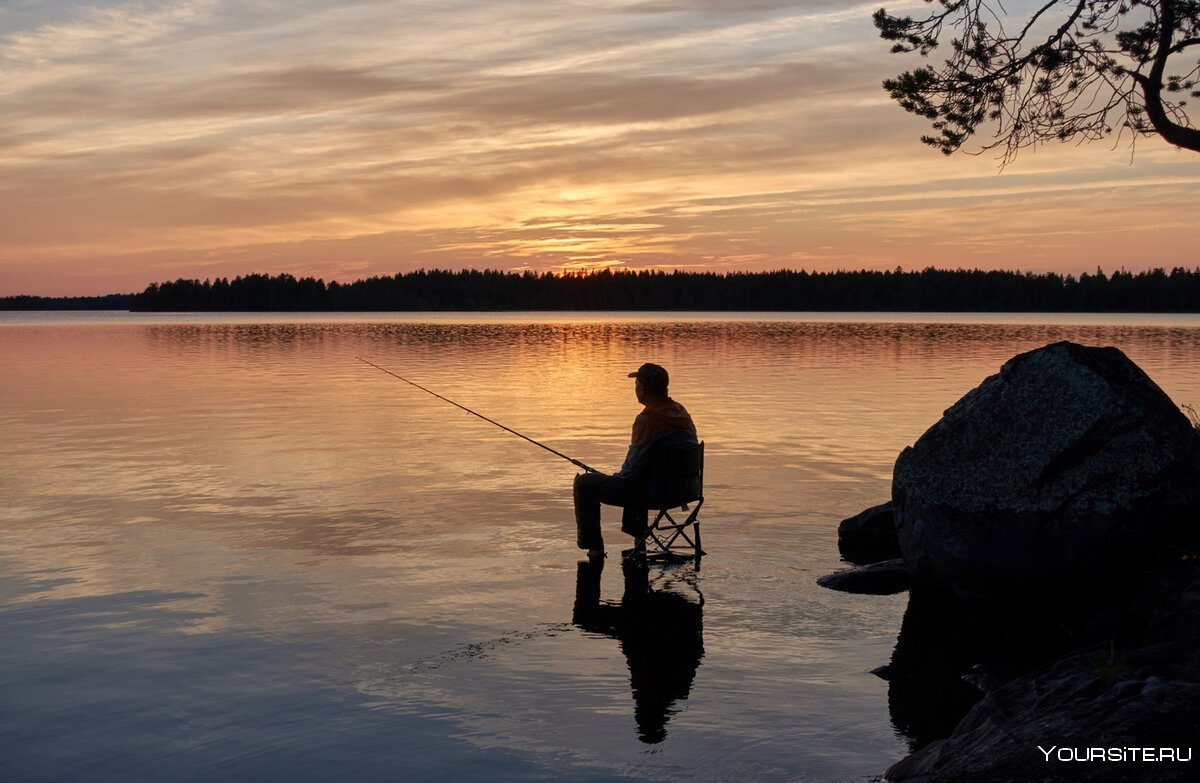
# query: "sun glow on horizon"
193,138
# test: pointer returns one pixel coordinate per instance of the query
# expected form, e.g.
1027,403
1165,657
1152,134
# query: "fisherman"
662,422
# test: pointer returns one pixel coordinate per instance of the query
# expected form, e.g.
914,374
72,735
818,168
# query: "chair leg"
695,517
666,537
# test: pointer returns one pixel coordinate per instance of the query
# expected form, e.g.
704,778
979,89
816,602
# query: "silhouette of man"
662,422
661,634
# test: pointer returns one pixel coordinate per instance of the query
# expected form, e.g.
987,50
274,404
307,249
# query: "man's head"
651,378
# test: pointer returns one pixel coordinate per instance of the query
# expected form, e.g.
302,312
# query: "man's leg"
634,521
587,511
592,489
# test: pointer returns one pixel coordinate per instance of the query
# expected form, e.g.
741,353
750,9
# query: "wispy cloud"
146,140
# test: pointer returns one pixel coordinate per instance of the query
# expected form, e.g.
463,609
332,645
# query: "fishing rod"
574,462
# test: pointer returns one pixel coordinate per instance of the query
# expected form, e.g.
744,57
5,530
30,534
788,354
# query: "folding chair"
683,480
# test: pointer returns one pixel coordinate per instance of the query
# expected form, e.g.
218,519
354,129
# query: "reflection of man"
660,633
662,422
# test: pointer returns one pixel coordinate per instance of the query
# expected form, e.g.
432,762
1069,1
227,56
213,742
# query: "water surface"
233,551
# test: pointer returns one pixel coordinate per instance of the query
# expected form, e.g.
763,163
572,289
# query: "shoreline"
930,317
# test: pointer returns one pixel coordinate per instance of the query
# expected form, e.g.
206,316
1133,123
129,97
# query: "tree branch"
1037,16
1181,45
1104,58
1152,85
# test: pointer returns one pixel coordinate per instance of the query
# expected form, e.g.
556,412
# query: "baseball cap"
654,377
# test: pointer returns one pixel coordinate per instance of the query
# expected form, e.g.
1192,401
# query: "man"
662,422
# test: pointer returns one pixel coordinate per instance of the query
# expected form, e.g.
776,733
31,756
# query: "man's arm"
635,458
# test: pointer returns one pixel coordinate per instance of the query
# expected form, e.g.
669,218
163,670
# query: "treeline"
105,302
928,290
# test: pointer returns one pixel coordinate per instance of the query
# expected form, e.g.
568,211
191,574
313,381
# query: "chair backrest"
682,473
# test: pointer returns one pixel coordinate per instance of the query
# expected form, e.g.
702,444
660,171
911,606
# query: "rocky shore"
1046,528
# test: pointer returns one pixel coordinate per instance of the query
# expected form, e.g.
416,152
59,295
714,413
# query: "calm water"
232,551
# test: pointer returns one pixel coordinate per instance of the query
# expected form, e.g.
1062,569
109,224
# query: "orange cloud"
202,138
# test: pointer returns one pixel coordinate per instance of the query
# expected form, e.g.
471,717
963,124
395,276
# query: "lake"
233,551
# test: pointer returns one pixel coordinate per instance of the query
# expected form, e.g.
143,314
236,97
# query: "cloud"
602,98
144,139
726,6
88,32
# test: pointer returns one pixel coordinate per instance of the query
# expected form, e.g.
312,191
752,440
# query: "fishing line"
574,462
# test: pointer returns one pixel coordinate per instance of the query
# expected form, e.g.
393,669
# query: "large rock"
869,536
1055,469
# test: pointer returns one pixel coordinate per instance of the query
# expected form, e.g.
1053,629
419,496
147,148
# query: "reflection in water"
949,652
342,524
660,633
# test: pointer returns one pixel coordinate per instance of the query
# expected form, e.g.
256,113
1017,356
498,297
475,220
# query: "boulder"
1053,470
870,536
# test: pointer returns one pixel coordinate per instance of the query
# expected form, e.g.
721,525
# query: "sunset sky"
147,141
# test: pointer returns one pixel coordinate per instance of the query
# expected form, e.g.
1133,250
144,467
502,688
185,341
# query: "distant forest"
1176,291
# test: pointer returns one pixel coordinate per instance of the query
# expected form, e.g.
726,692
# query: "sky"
147,141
